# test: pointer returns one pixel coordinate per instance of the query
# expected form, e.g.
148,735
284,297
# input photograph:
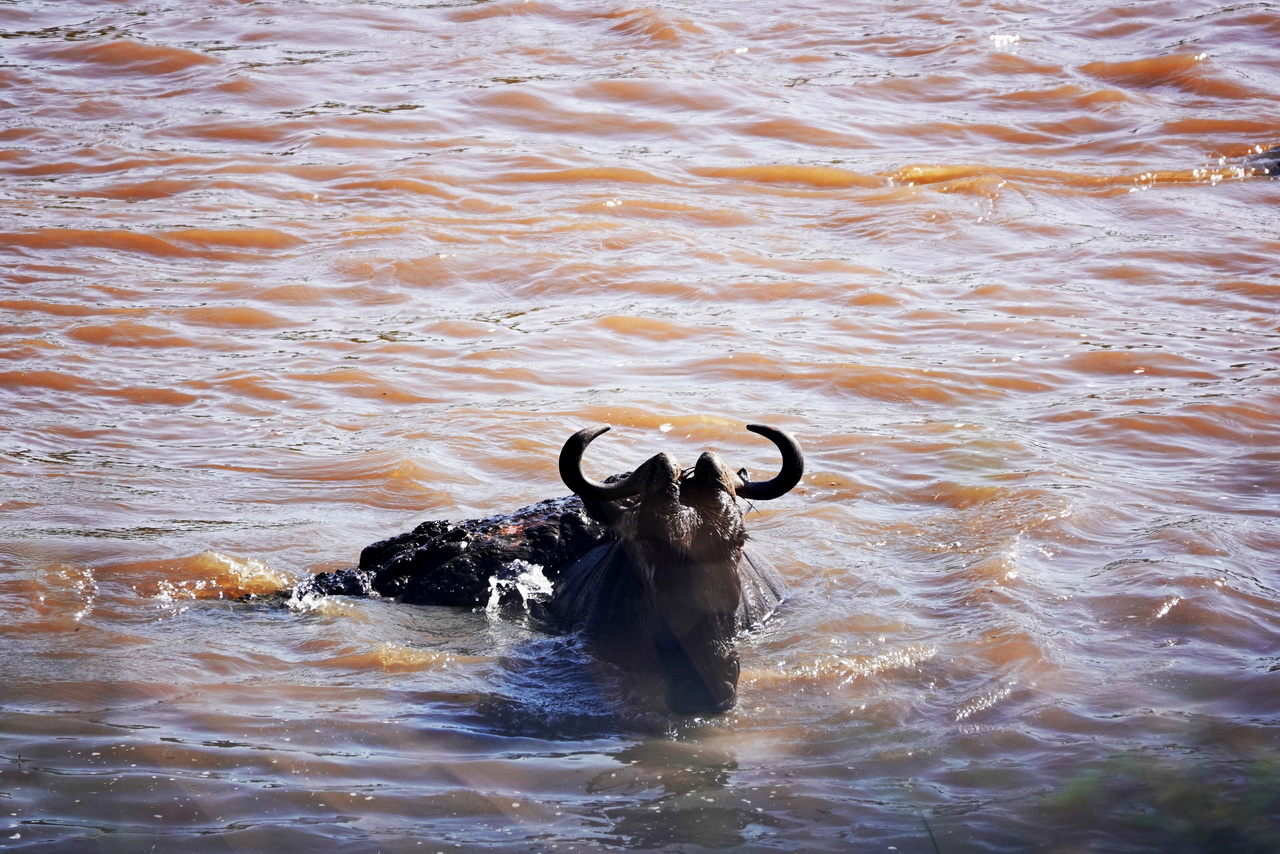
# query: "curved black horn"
792,467
592,490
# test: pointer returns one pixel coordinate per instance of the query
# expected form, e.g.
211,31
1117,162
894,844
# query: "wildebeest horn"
792,467
653,473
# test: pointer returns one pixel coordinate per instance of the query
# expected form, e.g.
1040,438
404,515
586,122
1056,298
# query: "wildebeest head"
681,537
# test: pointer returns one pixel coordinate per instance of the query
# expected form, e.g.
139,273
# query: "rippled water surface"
284,278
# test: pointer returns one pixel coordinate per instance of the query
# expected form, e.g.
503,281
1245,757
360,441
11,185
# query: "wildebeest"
651,567
1265,162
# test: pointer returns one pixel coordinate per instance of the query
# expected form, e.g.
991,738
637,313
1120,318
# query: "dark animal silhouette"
1264,162
651,567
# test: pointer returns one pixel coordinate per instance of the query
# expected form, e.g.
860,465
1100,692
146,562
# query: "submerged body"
651,567
1265,162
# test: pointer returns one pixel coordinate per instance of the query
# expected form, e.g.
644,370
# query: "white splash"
522,577
247,574
308,602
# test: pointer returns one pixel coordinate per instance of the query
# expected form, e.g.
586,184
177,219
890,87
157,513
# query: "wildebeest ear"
785,481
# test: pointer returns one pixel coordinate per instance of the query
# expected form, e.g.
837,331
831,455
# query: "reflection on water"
281,280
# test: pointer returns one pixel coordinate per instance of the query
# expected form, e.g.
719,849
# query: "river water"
283,278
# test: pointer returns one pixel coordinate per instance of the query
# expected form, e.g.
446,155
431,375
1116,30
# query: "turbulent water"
281,279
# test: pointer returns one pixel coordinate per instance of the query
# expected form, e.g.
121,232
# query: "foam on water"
519,578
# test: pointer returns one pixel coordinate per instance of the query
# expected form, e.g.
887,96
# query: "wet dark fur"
1265,162
451,563
659,584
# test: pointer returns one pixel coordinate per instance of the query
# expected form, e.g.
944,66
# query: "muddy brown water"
284,278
